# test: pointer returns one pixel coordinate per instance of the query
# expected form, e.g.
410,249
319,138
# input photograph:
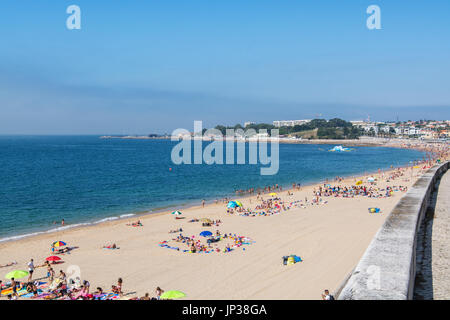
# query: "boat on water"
340,149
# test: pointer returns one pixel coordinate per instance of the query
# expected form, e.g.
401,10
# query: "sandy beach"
329,237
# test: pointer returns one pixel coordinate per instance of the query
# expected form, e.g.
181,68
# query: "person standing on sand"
50,273
203,203
30,270
159,292
14,287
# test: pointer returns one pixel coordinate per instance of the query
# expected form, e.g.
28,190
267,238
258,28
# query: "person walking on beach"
30,270
203,203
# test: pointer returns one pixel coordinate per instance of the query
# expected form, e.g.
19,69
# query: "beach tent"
177,213
173,294
232,204
206,233
16,274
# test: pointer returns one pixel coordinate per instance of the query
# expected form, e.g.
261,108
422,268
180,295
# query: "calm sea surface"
84,179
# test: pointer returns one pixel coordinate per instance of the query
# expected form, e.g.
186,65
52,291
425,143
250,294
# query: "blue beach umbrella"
206,233
232,204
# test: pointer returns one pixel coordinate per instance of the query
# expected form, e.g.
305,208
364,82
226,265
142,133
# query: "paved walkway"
433,247
441,241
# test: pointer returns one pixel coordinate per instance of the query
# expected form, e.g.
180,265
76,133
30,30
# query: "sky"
139,67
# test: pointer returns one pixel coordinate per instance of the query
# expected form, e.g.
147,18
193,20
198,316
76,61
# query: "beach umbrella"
173,294
273,194
206,220
16,274
232,204
238,203
359,182
206,233
371,179
53,258
177,213
59,244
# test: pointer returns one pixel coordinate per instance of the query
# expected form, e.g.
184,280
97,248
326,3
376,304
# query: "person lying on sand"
111,246
135,224
8,264
176,231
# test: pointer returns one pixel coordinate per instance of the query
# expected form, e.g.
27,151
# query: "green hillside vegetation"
315,129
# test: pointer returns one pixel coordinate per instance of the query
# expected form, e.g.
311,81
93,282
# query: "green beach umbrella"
173,294
177,212
16,274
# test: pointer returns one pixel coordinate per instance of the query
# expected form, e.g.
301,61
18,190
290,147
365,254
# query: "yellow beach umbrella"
272,194
206,220
173,294
359,182
16,274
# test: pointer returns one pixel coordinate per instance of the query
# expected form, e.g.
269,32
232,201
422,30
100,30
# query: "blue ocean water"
84,179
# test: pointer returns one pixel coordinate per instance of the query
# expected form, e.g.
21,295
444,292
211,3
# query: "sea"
87,180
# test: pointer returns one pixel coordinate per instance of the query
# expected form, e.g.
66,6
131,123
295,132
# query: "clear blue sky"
153,66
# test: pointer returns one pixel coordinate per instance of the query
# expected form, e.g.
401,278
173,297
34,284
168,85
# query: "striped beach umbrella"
59,244
231,204
238,203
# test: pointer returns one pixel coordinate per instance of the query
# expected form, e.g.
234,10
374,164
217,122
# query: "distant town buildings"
289,123
424,129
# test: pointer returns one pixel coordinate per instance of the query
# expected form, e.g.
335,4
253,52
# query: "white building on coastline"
289,123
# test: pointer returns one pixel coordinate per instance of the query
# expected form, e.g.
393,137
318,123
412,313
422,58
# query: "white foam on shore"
105,220
127,215
43,232
66,227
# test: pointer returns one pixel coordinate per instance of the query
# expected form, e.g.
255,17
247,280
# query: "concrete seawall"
387,269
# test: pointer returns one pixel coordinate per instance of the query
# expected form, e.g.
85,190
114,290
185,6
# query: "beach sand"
330,238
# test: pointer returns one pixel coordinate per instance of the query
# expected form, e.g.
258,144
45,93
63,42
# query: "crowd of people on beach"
61,287
193,244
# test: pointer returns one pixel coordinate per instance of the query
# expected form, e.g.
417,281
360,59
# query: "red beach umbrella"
53,258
